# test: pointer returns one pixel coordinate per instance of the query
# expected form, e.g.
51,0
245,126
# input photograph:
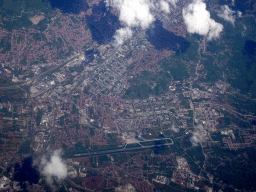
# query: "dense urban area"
164,111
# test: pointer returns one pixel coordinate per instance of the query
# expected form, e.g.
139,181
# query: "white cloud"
133,13
174,129
198,20
54,168
239,13
197,138
121,35
227,14
136,14
165,6
173,2
199,127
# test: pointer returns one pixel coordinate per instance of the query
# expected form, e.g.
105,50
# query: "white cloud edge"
227,14
198,20
54,168
136,14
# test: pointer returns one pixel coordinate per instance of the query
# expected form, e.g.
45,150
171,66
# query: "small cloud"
227,14
239,13
196,138
121,35
54,168
174,129
133,13
136,14
165,6
199,127
173,2
198,20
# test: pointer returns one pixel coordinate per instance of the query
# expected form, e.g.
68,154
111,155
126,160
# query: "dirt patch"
36,19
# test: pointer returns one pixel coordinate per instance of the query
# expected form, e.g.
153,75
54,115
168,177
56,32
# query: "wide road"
121,150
